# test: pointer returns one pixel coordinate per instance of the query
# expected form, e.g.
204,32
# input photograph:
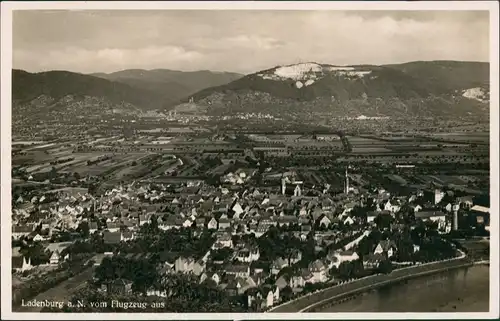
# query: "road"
61,292
313,301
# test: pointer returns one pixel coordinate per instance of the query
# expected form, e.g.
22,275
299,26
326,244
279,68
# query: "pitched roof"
317,265
22,228
372,258
240,268
112,237
428,214
387,244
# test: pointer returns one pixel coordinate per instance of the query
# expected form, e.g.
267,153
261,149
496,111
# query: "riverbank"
314,301
456,290
323,304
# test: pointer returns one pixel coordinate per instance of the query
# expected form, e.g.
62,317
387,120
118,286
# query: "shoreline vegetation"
316,301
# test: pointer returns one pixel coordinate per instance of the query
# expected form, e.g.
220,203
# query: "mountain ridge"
426,88
306,90
172,85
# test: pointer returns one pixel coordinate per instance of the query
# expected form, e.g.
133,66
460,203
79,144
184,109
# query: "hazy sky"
241,41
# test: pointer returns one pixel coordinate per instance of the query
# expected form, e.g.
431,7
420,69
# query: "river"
461,290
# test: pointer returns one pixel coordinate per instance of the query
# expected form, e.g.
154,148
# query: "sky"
241,41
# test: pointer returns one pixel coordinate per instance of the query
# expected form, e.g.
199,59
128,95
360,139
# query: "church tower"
283,185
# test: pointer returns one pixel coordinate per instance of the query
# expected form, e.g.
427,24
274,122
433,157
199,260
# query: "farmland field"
369,149
321,178
475,137
117,160
397,179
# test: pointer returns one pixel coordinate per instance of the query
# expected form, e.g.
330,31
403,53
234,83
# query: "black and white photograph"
258,160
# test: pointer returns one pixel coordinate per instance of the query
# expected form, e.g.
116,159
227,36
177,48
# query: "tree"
84,229
346,270
383,220
385,267
286,293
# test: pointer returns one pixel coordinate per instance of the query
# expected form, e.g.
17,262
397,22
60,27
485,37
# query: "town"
206,220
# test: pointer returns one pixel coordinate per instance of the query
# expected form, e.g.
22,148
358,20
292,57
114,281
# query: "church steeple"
346,186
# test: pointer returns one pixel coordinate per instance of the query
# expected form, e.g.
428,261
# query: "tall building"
283,185
346,184
455,220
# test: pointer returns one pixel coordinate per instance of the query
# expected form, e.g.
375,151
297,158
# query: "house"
283,281
224,223
303,211
480,209
173,222
200,222
466,201
324,221
297,281
184,264
120,287
248,254
372,261
278,265
143,219
98,258
385,247
416,207
213,276
127,236
38,238
152,291
271,295
390,207
370,216
256,299
434,216
319,271
93,227
224,240
337,257
19,231
348,221
239,285
198,267
286,220
238,270
112,237
112,226
212,224
54,258
237,209
295,257
187,223
46,224
21,264
481,214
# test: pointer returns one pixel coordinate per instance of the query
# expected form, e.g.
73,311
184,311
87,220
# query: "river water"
461,290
